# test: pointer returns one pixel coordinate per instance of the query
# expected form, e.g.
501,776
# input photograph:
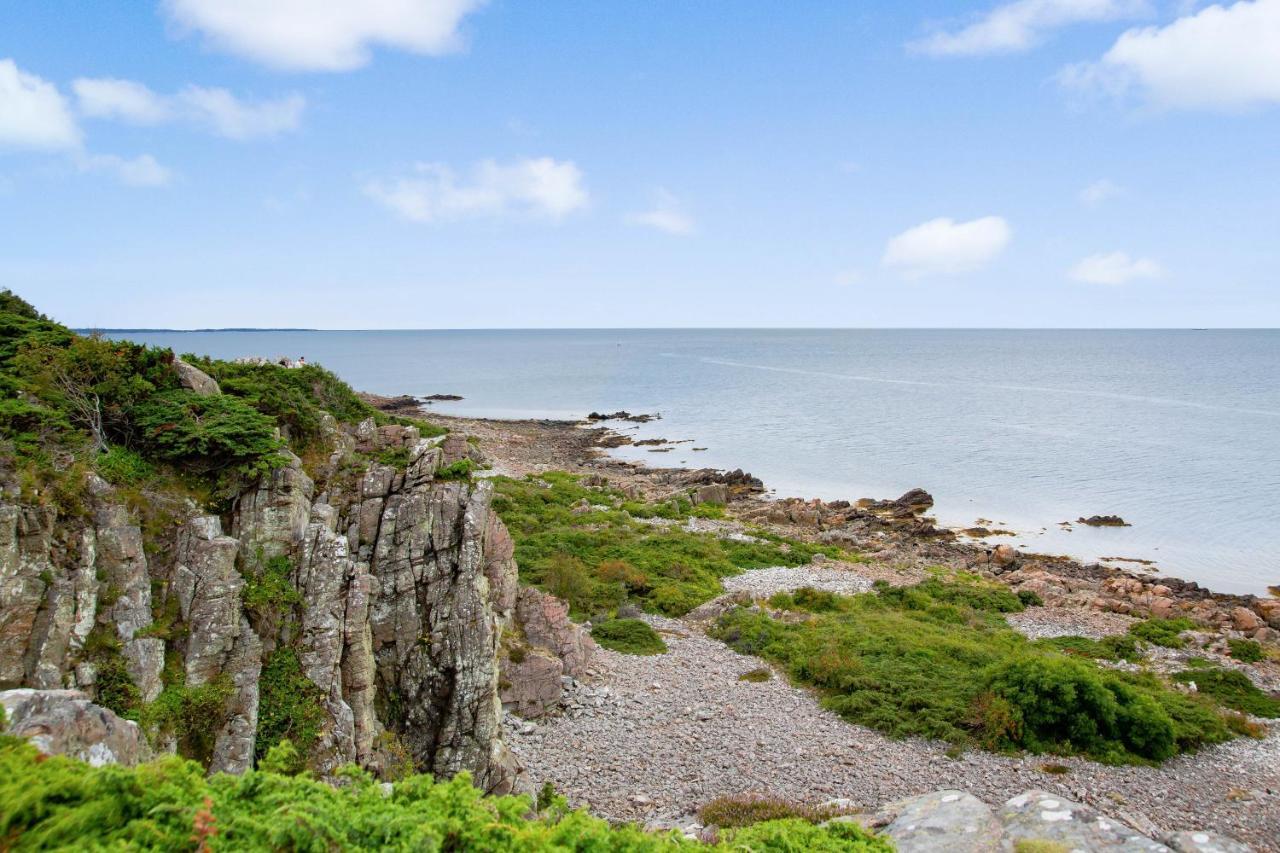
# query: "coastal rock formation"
378,591
1103,521
65,722
545,648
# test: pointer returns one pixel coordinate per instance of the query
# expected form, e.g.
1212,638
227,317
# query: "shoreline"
584,446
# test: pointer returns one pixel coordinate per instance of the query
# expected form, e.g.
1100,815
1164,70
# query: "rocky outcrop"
946,821
545,647
65,722
389,586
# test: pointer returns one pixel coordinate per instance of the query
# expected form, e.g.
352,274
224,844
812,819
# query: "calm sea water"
1176,431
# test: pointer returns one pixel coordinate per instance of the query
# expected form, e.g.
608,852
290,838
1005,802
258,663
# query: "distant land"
89,331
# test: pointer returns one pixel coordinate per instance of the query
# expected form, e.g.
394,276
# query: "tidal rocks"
623,415
1103,521
65,722
442,397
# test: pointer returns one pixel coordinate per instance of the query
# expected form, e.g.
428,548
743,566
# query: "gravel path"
652,738
762,583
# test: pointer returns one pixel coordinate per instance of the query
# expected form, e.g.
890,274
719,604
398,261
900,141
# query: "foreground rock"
65,722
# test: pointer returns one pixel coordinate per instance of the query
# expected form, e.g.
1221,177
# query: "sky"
470,164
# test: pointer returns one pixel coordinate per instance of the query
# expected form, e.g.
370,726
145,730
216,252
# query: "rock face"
65,722
391,592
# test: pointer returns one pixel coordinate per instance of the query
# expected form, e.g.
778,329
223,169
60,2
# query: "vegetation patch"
628,636
937,660
290,708
757,675
1233,689
1114,647
1246,651
597,559
170,805
190,715
746,810
1162,632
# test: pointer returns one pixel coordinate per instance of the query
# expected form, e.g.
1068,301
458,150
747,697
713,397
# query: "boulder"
940,822
195,380
65,722
1041,816
1244,619
712,493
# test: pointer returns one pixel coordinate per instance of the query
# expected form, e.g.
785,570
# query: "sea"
1178,432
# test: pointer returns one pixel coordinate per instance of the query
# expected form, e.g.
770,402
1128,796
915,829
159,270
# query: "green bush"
459,470
1162,632
191,715
169,804
1246,651
291,706
807,598
268,592
1030,598
124,467
629,636
937,660
1233,689
206,434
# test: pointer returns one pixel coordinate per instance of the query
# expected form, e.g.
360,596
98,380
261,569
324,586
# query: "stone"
65,722
711,493
1244,619
940,822
195,380
1042,816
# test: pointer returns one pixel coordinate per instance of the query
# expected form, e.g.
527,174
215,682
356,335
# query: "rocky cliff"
354,605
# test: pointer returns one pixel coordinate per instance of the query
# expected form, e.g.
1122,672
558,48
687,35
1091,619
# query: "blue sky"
452,163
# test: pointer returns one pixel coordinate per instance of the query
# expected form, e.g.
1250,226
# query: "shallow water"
1176,431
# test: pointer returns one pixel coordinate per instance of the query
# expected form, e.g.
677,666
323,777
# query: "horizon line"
149,329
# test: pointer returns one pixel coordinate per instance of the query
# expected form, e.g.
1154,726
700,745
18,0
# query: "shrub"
1162,632
806,598
759,674
291,707
1030,598
1113,647
629,636
206,434
1063,705
268,592
459,470
1246,651
747,809
124,467
60,803
1233,689
191,715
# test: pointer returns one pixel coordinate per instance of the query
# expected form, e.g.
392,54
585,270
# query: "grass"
1113,648
629,636
598,559
937,660
1246,651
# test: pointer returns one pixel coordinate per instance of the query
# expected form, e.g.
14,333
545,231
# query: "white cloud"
1021,25
212,108
540,187
1222,57
120,99
331,35
946,247
33,113
1114,268
1099,191
667,214
142,171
